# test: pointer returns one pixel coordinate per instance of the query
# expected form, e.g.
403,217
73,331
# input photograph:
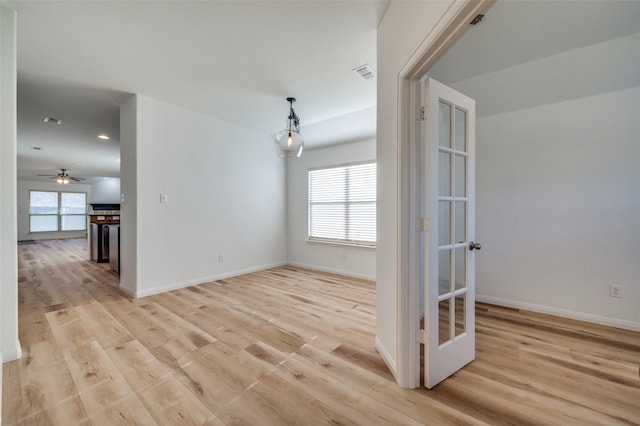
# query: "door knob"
474,246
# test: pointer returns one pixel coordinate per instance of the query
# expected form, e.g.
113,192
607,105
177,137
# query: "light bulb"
59,180
289,140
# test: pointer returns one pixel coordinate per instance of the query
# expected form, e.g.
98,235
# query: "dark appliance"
101,216
99,242
114,248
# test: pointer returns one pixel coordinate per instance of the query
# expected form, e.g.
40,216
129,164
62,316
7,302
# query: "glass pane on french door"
452,219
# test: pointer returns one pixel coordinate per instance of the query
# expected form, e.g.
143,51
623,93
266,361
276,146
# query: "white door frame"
453,24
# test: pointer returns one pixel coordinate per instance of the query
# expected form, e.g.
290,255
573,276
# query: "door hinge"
423,224
422,113
420,336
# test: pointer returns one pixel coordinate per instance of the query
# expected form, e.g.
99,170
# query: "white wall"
347,260
129,196
105,190
558,208
9,344
24,186
404,26
225,188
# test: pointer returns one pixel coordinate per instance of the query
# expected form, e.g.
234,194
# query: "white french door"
448,240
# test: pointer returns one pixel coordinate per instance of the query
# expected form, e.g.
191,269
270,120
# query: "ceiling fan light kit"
63,177
289,143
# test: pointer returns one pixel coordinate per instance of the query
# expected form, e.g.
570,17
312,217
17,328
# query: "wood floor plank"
238,369
138,366
169,401
285,346
346,401
190,336
71,335
105,394
35,325
383,390
605,398
70,411
44,387
125,412
39,355
13,407
90,365
628,349
214,391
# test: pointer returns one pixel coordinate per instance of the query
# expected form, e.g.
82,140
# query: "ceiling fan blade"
77,179
48,175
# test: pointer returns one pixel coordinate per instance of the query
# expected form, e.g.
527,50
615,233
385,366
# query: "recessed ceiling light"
103,137
52,120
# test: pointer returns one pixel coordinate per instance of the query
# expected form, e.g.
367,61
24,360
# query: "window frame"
59,215
338,241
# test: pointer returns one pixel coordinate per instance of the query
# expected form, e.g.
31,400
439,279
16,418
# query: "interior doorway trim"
450,28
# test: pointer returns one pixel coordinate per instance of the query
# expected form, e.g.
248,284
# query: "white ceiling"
531,53
236,60
239,60
515,32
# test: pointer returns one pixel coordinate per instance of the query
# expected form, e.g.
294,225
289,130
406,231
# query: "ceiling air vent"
365,71
52,120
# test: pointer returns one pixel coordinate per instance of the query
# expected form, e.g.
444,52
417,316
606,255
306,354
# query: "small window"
342,204
51,211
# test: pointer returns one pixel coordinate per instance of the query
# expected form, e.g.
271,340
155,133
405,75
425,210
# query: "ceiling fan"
64,178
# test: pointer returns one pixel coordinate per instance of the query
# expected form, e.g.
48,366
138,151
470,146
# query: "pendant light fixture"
289,142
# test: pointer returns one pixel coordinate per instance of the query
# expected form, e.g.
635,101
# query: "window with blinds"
342,204
51,211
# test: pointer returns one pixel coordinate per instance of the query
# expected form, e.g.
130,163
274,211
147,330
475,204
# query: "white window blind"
342,204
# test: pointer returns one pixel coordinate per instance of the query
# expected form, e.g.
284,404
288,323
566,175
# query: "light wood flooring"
285,346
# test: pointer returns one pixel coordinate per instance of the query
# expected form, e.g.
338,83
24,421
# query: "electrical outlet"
220,258
615,290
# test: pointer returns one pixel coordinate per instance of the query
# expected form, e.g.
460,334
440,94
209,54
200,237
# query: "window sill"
342,243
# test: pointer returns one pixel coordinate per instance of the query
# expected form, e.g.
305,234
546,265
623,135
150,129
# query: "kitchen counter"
102,219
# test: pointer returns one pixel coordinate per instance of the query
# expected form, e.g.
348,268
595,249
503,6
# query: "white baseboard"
580,316
15,353
386,357
128,292
183,284
346,273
